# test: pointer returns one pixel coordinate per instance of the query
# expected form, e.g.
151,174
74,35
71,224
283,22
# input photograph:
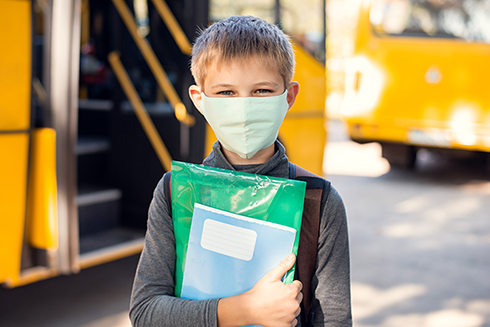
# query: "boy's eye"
225,93
263,91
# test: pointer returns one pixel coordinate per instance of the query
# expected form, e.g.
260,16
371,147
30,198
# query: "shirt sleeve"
152,300
330,284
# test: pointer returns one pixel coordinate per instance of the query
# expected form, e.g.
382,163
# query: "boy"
243,67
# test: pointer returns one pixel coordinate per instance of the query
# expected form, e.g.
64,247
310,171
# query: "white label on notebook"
230,240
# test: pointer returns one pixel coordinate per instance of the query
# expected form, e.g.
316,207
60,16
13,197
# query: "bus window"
467,20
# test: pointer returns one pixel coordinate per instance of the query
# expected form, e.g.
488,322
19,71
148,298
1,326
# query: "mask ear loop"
201,108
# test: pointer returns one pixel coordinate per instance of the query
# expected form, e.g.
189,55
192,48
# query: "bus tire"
399,155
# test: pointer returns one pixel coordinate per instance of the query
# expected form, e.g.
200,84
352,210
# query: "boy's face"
250,78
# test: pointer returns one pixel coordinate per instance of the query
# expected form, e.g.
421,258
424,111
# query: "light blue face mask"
245,125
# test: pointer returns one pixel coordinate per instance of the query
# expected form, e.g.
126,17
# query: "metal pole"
277,12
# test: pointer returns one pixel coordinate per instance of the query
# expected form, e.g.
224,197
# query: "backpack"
316,186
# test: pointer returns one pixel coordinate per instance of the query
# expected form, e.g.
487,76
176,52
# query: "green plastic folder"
272,199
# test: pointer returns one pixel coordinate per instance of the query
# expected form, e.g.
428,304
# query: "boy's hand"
269,303
276,303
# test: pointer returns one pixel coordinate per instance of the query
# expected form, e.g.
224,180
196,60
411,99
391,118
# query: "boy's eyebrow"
267,83
264,83
221,85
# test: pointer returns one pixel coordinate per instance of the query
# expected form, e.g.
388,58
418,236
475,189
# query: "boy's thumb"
278,272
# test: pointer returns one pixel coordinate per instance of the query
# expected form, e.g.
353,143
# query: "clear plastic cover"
272,199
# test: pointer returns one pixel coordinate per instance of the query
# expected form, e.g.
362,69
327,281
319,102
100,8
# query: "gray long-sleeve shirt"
152,300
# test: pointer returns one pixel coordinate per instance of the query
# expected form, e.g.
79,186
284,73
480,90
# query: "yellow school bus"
93,107
418,77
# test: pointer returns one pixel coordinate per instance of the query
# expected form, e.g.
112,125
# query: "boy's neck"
261,157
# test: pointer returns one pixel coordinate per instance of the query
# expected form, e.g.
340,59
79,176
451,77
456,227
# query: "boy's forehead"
241,63
241,69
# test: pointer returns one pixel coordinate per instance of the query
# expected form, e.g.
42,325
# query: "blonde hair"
239,38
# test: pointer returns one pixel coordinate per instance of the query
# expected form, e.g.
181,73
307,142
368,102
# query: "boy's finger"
282,268
299,297
298,284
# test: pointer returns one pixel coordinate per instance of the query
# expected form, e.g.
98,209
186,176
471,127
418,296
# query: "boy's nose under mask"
245,125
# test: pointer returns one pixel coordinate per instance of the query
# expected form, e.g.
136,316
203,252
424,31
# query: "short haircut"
239,38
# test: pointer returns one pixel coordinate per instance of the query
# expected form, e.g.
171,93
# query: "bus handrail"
151,59
140,111
173,26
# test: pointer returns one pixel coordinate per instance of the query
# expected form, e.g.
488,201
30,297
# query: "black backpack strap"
292,171
167,179
317,189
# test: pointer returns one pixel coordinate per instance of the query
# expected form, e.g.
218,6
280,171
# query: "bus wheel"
487,163
399,155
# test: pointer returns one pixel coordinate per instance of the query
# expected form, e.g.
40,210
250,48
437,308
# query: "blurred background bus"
416,78
94,106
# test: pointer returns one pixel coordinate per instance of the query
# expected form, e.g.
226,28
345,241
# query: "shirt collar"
276,166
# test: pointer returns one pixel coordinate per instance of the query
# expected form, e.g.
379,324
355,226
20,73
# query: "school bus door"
15,66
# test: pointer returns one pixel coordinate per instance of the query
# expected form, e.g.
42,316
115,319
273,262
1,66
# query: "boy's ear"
293,90
195,95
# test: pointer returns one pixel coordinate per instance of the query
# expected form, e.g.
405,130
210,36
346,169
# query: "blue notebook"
228,253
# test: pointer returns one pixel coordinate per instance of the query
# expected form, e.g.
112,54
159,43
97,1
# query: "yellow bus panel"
13,190
303,131
42,209
15,84
15,64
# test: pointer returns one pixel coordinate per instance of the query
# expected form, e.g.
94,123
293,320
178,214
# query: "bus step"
163,109
109,238
90,145
93,104
98,210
